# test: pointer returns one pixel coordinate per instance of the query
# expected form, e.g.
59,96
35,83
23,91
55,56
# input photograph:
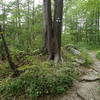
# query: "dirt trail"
87,87
96,65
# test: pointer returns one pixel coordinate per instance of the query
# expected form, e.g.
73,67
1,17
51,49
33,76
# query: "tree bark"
48,27
9,58
58,13
53,29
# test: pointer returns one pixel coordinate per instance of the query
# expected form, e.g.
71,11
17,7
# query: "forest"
49,49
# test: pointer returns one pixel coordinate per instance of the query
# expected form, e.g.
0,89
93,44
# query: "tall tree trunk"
53,29
57,28
48,27
45,27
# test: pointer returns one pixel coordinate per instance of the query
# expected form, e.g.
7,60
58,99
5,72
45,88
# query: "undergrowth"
38,81
88,59
84,55
98,55
41,77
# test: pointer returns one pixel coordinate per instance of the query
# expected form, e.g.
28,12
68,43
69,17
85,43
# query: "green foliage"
88,46
39,81
88,60
80,17
66,38
86,56
5,70
24,38
98,55
38,43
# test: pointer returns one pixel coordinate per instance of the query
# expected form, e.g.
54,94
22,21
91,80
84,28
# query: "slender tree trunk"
45,27
32,24
18,14
9,58
18,20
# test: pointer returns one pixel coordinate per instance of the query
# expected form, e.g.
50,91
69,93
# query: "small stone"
80,61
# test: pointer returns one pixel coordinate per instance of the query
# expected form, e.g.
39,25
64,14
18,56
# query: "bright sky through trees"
36,1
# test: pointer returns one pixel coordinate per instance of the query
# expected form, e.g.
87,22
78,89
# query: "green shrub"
39,81
84,56
98,55
88,60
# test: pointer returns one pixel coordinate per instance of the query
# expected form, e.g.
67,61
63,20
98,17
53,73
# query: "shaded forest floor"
87,87
78,78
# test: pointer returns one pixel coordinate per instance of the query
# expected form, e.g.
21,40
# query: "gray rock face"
92,75
89,91
74,51
80,61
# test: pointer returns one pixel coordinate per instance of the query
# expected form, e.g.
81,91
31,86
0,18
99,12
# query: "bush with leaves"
98,55
38,81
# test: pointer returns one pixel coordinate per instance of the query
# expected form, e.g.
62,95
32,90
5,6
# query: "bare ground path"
87,87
